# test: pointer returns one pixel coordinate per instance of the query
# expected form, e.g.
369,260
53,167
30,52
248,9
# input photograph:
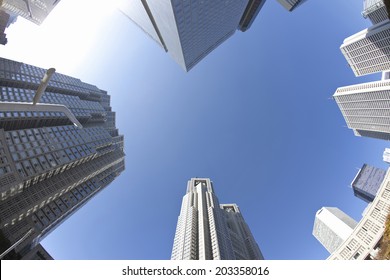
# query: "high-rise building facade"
207,230
365,239
244,245
368,51
365,108
251,11
375,11
367,182
48,166
290,5
190,30
386,155
332,227
35,11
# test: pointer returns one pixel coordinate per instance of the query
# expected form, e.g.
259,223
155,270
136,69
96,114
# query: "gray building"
244,245
207,230
190,30
365,108
290,5
375,11
332,227
367,182
50,167
251,11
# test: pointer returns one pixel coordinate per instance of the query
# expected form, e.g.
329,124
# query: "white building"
386,155
189,30
35,11
365,108
362,243
375,11
207,230
332,227
368,51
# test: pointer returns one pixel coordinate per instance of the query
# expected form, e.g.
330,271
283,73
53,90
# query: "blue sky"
256,116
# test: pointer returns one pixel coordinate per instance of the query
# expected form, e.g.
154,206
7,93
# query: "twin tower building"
207,230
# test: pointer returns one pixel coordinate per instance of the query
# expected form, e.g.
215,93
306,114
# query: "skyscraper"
244,245
49,167
207,230
35,11
251,11
367,182
190,30
332,227
290,5
365,239
368,51
375,10
365,108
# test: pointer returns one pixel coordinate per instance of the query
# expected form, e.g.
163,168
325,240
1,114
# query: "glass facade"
187,29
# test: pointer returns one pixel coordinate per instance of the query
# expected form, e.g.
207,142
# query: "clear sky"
255,116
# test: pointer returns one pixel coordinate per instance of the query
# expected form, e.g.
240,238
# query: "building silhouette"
190,30
365,108
367,182
54,156
332,227
207,230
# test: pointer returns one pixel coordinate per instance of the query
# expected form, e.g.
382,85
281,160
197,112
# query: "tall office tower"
367,182
365,108
290,5
332,227
35,11
244,245
251,11
375,10
50,167
190,30
386,155
203,231
368,51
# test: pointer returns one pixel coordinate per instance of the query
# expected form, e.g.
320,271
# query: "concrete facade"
207,230
365,108
363,241
368,51
332,227
49,167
